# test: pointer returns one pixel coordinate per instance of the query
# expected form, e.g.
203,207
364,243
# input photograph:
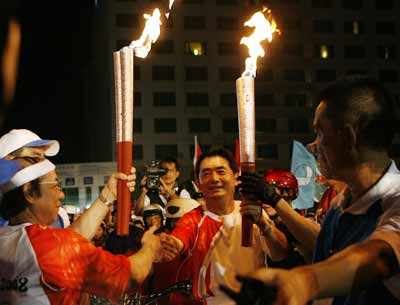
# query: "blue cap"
8,168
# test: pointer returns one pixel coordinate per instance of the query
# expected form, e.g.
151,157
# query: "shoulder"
47,235
193,216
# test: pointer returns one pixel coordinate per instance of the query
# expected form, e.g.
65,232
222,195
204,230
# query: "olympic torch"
263,29
124,92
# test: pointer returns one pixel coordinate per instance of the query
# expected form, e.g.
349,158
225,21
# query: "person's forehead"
214,162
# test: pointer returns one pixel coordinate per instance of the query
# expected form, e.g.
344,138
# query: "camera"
153,173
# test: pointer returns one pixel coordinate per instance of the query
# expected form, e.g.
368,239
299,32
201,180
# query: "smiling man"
44,265
209,237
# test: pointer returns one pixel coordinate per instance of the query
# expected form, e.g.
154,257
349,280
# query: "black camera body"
153,173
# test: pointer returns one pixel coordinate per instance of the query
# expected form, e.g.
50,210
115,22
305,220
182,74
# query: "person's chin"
216,193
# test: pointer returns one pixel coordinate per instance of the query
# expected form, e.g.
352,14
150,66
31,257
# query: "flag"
304,167
197,151
236,152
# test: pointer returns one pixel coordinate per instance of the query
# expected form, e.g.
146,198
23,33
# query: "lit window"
324,51
356,27
386,52
195,48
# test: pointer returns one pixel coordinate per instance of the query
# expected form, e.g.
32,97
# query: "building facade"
186,86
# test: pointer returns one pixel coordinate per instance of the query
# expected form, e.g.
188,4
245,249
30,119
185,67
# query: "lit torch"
263,29
123,80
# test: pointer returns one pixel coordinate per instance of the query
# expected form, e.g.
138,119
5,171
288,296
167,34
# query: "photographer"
159,185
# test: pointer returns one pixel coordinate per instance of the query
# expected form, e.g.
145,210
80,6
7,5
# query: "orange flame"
150,34
263,29
171,2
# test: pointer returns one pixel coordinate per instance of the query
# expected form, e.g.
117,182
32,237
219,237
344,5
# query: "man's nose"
214,176
313,147
62,195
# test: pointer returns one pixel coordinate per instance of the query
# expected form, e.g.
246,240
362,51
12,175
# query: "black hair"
171,160
14,201
219,152
365,104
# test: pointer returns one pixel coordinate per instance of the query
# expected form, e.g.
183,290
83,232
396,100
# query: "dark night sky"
52,88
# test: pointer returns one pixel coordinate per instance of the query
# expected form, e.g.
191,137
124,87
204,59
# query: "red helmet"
285,181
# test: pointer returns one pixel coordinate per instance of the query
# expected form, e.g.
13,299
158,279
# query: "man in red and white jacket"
209,237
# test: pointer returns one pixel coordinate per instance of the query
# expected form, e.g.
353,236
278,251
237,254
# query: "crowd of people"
194,232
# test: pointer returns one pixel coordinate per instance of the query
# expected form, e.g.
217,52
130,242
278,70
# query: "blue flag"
304,167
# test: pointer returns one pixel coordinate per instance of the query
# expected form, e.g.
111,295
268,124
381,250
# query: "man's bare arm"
355,268
303,229
90,220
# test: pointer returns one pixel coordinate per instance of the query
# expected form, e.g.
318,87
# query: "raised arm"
90,220
303,229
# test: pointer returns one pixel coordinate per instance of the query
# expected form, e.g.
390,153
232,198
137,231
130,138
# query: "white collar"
386,187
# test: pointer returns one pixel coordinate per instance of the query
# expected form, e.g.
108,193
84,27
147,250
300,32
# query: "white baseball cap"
18,138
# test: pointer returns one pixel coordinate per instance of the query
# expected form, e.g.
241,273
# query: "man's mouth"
215,188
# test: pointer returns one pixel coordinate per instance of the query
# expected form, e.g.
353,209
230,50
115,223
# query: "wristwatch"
107,201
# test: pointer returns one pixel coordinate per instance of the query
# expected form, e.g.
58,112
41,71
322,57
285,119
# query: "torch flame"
263,29
150,34
171,2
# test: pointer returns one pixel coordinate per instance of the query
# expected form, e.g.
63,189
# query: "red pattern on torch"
123,77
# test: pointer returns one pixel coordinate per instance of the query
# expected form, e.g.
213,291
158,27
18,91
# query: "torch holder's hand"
253,186
252,292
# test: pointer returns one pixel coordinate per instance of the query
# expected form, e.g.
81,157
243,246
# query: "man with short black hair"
209,237
357,250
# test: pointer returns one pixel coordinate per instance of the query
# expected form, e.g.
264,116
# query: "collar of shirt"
387,187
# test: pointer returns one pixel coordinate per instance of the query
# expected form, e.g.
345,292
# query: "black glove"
252,292
252,186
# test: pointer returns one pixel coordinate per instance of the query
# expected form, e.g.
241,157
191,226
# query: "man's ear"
236,175
26,188
178,173
349,137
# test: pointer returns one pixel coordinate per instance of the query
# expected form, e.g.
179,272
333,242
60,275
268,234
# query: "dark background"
57,78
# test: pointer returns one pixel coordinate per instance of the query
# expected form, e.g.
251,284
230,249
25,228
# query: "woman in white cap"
25,143
43,265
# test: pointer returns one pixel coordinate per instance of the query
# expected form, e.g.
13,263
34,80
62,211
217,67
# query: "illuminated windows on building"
324,51
195,48
354,27
386,52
